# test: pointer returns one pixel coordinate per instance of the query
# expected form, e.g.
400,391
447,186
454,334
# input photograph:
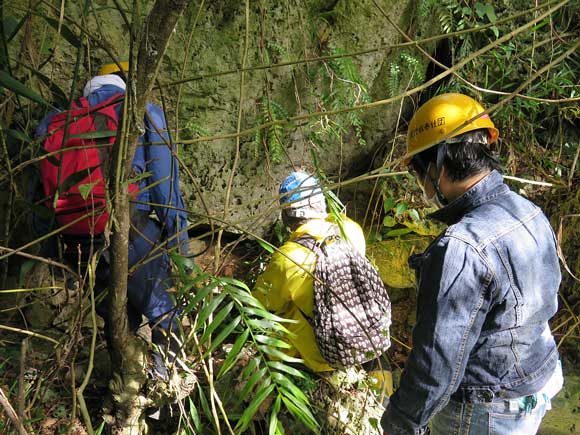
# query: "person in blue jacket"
150,237
484,360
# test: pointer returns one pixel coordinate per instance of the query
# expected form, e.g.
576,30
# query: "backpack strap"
318,248
82,103
310,243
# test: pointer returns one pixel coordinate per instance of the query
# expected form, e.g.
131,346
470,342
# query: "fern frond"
394,81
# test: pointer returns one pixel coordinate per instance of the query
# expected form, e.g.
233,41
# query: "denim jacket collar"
487,188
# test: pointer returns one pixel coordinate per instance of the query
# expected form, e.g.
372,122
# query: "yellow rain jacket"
287,288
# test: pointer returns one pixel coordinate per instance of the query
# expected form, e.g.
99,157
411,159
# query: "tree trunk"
128,353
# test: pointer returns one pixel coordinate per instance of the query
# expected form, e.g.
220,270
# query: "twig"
37,258
209,377
24,290
9,207
523,180
32,334
406,346
11,413
186,56
573,169
81,389
568,333
559,236
21,388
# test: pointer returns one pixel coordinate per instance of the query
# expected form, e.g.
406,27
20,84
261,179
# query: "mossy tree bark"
128,354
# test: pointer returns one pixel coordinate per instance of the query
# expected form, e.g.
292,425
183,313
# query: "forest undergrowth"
519,59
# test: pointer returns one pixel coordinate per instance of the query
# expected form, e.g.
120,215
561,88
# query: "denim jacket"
487,287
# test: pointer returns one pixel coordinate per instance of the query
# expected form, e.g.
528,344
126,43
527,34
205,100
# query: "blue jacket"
160,191
487,287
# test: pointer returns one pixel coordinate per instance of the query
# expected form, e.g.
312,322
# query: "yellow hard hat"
111,68
443,117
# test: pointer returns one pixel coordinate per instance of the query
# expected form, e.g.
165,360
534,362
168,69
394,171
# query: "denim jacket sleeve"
164,191
454,291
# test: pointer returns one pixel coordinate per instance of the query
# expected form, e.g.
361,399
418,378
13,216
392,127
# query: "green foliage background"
325,105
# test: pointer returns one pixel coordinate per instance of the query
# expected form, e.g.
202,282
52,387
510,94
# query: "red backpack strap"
80,103
81,107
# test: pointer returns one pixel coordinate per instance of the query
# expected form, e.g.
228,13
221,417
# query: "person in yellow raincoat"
286,287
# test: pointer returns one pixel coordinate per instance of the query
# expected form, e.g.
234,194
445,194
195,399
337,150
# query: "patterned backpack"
352,310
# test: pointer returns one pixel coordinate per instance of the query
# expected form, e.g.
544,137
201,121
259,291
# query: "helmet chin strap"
441,151
438,170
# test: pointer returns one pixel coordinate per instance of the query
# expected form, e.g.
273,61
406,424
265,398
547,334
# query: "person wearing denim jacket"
484,359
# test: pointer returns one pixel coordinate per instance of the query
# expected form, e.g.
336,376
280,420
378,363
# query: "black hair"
467,157
121,74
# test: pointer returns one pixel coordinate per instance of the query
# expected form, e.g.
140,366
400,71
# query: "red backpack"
74,180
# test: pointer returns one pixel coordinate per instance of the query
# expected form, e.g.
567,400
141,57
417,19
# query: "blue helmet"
303,194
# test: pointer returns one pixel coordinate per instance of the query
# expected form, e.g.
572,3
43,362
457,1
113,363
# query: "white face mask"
433,200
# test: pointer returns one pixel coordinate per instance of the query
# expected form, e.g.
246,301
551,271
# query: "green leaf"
76,177
208,309
389,221
254,362
18,135
267,315
59,97
279,355
267,325
400,208
250,384
399,232
287,385
53,160
184,264
10,26
243,297
271,341
414,215
490,12
100,429
388,204
234,282
234,353
194,416
225,333
274,426
251,410
139,177
199,296
216,322
94,134
204,403
277,365
302,413
9,82
65,31
86,189
266,246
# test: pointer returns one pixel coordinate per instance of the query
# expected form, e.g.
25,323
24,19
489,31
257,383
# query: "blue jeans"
501,417
147,286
